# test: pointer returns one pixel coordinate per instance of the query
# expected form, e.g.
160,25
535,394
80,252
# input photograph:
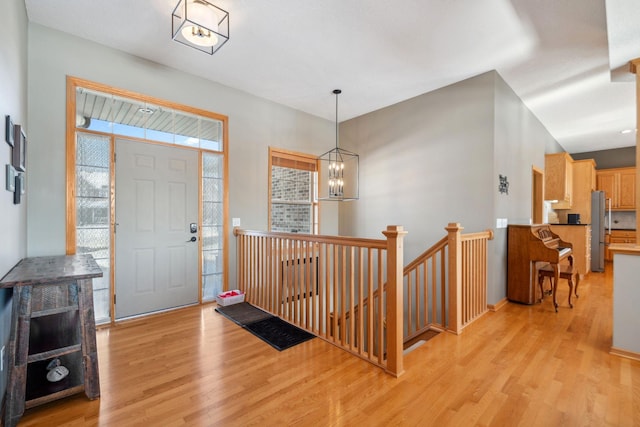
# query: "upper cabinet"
619,185
558,179
584,183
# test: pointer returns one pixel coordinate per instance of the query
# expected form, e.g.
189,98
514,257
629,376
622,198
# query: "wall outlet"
501,222
235,222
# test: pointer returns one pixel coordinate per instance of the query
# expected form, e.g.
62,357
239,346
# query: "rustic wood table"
52,319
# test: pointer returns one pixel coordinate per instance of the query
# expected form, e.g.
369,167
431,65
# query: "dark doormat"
271,329
242,313
278,333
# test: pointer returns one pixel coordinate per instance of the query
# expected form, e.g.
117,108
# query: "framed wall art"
8,130
19,188
19,148
11,178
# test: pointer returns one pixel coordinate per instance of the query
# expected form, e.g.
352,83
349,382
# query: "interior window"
293,204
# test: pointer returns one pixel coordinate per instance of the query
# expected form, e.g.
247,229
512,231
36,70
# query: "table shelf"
52,318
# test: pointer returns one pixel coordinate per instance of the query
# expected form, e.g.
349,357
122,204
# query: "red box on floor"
230,297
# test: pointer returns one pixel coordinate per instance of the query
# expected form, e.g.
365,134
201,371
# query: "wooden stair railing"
446,286
317,282
303,278
441,293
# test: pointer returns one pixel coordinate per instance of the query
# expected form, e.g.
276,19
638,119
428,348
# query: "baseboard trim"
625,353
498,305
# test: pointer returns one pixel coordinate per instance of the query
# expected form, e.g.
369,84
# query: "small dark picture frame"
19,188
8,132
19,149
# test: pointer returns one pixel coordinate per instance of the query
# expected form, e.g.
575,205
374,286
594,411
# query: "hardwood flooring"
520,366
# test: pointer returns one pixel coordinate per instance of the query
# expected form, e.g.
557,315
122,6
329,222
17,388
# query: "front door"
156,259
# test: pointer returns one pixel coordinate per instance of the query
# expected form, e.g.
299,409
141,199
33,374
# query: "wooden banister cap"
394,230
454,226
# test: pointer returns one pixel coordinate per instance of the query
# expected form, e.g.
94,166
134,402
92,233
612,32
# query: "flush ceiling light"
341,169
200,25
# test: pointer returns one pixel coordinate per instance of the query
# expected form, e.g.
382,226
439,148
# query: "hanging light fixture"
341,169
200,25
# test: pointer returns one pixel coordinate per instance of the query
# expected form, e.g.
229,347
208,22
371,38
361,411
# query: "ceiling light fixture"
341,166
200,25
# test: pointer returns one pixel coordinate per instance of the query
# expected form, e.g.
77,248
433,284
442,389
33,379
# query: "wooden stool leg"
556,278
540,283
570,282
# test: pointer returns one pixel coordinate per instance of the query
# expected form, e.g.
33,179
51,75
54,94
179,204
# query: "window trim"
294,160
71,221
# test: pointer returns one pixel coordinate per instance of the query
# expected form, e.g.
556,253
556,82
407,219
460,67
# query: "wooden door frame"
73,83
537,195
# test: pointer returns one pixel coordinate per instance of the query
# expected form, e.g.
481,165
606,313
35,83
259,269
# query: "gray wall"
13,100
254,124
606,159
520,143
436,158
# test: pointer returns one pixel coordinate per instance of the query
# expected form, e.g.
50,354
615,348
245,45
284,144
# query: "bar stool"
566,272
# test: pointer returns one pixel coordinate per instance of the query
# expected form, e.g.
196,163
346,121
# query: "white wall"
13,102
520,142
423,162
437,158
254,124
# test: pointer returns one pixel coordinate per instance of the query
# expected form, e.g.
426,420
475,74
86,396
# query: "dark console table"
52,318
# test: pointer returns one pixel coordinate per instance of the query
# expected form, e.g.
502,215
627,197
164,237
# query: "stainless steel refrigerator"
598,210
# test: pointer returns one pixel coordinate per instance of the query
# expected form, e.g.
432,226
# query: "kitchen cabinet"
619,185
580,237
584,183
558,179
618,236
627,189
52,321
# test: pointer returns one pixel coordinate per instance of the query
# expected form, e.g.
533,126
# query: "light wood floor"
523,365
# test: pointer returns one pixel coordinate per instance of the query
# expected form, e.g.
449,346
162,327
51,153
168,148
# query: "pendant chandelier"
200,25
338,171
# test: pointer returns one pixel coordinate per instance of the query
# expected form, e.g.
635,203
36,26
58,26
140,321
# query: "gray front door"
156,263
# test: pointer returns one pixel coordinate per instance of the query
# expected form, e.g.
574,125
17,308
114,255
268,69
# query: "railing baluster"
381,311
361,313
370,304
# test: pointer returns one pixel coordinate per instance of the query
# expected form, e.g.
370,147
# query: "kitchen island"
626,299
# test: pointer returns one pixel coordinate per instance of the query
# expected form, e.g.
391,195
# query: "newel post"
454,321
395,306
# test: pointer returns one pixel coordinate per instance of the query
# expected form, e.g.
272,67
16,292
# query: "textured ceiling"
557,55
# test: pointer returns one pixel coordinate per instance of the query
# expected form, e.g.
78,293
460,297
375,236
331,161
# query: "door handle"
193,239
